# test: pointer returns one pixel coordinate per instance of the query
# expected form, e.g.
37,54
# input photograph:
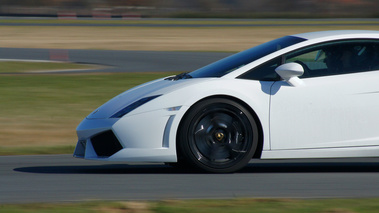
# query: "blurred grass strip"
248,205
162,38
199,22
37,150
43,110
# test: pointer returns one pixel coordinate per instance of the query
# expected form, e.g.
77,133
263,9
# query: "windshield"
228,64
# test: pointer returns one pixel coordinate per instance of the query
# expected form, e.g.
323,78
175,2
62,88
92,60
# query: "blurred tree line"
196,8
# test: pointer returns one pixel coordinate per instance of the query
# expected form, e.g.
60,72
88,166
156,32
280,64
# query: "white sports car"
311,95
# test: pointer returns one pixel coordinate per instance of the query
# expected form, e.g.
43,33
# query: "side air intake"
106,144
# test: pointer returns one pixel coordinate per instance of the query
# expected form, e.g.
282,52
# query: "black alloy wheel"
218,135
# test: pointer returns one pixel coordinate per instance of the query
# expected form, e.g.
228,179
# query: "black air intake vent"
106,144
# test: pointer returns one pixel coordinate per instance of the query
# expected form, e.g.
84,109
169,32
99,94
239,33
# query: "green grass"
247,205
270,206
20,67
66,96
37,150
40,112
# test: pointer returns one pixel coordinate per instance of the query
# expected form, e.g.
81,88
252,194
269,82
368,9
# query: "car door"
337,104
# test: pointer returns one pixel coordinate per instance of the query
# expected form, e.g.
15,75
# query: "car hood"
157,87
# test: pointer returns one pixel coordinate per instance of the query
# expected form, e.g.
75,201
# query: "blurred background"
192,8
144,40
43,100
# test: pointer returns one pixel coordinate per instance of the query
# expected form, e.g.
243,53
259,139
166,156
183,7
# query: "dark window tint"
334,58
264,72
228,64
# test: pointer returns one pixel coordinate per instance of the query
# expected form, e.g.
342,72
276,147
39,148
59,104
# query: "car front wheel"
218,135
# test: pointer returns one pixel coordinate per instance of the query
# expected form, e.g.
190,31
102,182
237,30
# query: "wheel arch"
259,149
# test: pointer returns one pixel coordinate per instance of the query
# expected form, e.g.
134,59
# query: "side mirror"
290,72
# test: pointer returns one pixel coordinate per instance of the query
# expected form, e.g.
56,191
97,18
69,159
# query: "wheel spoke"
217,152
233,152
203,124
222,120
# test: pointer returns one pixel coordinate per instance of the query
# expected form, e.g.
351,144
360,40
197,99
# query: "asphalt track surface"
118,61
62,178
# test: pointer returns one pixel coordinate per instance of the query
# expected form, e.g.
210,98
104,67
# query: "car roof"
338,33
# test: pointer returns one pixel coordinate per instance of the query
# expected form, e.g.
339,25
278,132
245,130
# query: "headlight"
133,106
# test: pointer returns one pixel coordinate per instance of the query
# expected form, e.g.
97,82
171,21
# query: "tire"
217,135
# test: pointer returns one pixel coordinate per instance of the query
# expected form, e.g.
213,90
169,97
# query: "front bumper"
145,137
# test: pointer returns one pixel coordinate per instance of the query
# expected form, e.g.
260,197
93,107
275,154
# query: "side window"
332,58
342,57
264,72
313,62
374,58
